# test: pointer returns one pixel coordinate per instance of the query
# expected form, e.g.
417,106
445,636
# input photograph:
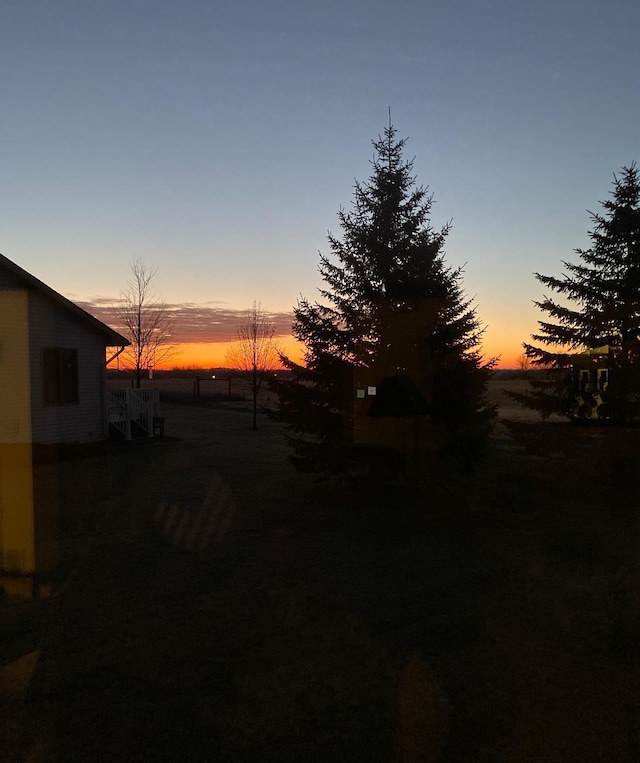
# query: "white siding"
84,421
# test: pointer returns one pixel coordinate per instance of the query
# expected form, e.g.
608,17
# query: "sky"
218,139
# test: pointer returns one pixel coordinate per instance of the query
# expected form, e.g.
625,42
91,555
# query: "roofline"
115,339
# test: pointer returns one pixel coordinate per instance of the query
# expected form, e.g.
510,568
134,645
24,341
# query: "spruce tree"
598,306
388,300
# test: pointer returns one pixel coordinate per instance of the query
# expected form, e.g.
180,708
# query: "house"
53,392
52,364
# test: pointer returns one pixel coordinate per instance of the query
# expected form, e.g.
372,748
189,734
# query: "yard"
494,618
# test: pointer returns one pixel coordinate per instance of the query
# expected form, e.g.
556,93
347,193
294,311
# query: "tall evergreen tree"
599,307
390,299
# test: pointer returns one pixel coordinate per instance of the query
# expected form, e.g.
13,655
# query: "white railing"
132,411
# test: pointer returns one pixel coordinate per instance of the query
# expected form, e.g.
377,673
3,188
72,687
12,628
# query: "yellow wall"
17,547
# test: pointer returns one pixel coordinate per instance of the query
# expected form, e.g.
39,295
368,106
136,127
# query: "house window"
60,376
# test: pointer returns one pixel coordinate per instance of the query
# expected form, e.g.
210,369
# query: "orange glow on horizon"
505,359
213,354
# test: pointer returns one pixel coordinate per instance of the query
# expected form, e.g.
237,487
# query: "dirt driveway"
217,606
159,647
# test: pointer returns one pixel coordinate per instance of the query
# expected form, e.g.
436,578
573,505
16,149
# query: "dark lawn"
286,639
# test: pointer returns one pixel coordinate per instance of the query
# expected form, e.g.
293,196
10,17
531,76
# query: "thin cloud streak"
194,323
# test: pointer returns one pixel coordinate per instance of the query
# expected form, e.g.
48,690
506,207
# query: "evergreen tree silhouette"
388,299
597,306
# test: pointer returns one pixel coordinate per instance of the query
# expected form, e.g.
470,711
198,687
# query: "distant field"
189,389
185,389
510,409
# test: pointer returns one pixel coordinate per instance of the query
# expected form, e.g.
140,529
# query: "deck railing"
131,411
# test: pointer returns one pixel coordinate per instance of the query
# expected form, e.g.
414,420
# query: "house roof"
111,337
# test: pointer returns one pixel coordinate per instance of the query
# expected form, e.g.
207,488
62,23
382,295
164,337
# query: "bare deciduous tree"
147,321
254,353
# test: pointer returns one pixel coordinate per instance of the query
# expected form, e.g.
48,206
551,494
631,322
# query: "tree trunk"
255,408
255,388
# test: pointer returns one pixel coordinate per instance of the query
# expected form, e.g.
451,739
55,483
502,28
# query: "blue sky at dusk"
217,140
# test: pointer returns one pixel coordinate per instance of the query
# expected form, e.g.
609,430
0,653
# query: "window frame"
60,376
